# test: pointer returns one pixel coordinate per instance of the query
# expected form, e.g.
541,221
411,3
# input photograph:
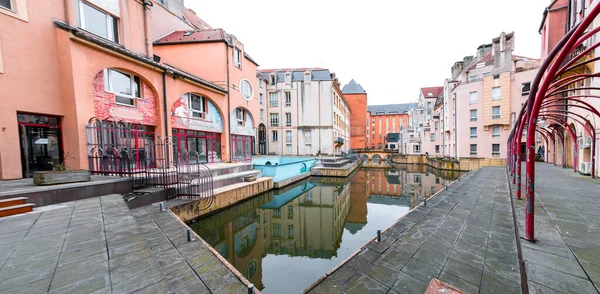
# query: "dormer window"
237,57
288,78
430,94
307,77
273,79
197,106
126,87
97,22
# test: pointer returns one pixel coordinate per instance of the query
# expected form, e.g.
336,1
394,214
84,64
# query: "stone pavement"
98,245
566,256
465,236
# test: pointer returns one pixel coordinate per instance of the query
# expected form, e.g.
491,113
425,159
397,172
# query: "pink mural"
144,112
182,117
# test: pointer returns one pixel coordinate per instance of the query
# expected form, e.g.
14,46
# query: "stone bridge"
376,154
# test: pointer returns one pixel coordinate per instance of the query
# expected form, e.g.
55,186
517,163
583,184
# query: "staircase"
14,206
229,174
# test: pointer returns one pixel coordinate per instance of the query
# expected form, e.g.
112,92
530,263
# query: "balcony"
339,141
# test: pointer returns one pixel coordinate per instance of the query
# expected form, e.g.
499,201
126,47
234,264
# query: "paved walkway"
566,256
465,236
99,246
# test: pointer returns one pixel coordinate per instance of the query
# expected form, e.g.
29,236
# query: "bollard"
250,288
162,206
424,201
378,236
189,235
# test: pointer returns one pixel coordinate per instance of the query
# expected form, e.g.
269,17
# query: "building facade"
384,120
106,67
306,112
356,97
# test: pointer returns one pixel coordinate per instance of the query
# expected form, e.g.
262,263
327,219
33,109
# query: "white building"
305,113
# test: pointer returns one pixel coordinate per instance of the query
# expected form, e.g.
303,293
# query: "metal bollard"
378,236
250,288
424,201
189,235
162,206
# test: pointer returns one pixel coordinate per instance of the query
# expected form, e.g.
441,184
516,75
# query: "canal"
284,240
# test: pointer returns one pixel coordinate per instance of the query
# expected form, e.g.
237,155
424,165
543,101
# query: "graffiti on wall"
105,106
244,129
182,117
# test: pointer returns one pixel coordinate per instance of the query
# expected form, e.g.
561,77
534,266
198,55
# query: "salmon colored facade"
357,100
382,124
70,70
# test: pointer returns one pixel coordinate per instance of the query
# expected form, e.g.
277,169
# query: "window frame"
499,131
285,78
471,117
271,95
272,79
471,135
471,102
288,98
307,77
237,57
288,136
108,87
109,19
495,153
496,98
240,120
499,115
274,136
288,123
523,93
202,112
274,119
11,8
471,152
246,82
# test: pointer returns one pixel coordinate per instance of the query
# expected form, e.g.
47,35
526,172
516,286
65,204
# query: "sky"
391,48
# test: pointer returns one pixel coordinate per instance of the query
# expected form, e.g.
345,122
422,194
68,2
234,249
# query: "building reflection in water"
284,240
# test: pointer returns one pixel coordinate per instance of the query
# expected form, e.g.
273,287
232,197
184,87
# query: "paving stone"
556,280
464,271
139,282
493,284
459,283
566,265
502,270
231,286
37,287
407,284
125,272
420,270
365,284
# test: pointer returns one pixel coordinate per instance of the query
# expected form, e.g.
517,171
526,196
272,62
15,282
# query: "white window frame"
262,114
288,136
11,8
237,57
239,116
471,95
471,117
108,87
272,79
494,134
288,119
432,137
471,135
274,136
471,152
288,148
307,77
496,93
197,113
307,148
112,22
288,98
274,119
416,148
523,93
496,116
473,78
275,102
495,153
246,85
287,78
308,137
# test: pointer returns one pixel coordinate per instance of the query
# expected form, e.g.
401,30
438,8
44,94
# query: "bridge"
376,154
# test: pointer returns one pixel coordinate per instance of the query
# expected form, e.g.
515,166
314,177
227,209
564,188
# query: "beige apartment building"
304,113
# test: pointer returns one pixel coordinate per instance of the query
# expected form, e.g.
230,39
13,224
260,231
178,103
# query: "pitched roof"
317,74
388,108
353,88
488,59
191,17
179,37
432,92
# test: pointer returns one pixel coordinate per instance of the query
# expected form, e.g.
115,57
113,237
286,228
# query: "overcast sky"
391,48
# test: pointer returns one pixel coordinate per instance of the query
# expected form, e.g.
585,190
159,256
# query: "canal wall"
445,163
222,199
335,172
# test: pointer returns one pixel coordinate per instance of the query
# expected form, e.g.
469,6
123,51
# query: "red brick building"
384,120
356,97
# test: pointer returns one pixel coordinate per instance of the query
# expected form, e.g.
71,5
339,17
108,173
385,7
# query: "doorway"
262,140
41,143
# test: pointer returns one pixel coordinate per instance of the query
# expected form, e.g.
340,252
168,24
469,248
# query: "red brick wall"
105,106
358,120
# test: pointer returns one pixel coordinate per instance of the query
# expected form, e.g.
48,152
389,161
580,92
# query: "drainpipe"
228,103
145,5
166,117
319,106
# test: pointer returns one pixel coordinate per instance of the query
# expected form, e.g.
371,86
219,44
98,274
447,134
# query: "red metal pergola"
549,97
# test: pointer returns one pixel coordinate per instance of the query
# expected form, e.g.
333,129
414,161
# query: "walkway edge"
524,285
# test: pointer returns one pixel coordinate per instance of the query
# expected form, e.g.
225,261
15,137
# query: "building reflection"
308,219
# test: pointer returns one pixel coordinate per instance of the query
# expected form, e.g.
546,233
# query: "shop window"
126,87
98,22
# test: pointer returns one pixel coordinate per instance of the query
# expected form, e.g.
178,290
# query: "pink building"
89,66
481,100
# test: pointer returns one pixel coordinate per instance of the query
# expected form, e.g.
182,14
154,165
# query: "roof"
432,92
134,55
191,17
387,108
317,74
488,59
353,88
439,101
181,37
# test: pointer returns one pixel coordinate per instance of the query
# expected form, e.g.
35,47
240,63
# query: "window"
261,98
288,78
262,114
288,119
274,136
307,77
272,80
273,99
274,119
260,83
496,132
473,132
416,148
435,126
239,116
473,114
495,149
525,89
496,93
237,57
307,147
288,147
473,149
290,212
485,74
473,98
95,21
126,87
495,112
432,135
246,88
290,231
276,228
437,148
288,136
6,4
417,178
473,78
496,77
288,99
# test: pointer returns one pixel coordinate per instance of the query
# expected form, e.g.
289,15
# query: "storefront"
41,143
206,144
242,135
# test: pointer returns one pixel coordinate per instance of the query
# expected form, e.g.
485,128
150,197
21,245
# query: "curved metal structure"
550,97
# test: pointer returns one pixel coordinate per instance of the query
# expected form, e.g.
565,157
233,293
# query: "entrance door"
262,140
41,145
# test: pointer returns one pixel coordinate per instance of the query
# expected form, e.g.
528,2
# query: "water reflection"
284,240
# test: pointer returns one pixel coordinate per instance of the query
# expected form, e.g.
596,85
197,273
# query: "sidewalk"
98,245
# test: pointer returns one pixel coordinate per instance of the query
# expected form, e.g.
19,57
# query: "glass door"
41,145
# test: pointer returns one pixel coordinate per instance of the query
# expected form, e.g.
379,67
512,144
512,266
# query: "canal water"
284,240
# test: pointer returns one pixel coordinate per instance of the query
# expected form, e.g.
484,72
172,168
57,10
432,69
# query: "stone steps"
234,178
16,209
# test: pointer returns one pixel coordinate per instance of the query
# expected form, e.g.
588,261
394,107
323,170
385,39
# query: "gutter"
166,117
228,103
